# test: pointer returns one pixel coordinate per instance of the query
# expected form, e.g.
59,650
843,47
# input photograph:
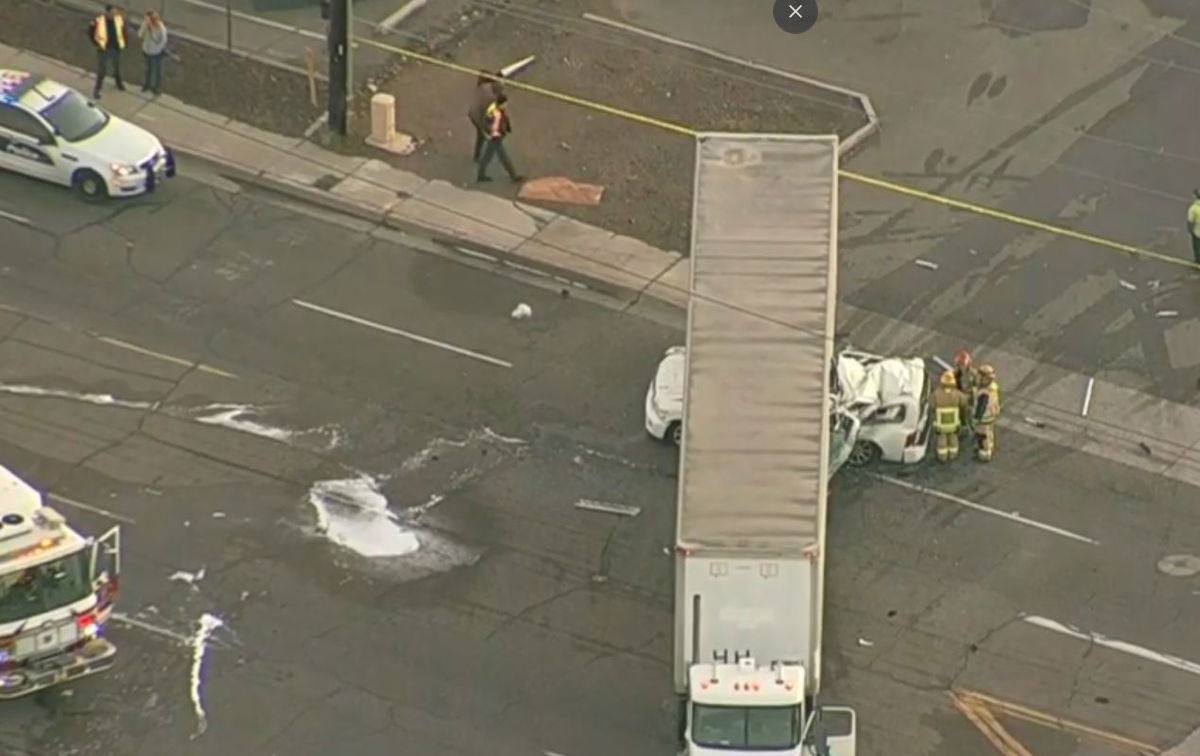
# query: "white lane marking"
1117,645
17,218
125,619
987,510
89,508
403,334
1087,397
166,357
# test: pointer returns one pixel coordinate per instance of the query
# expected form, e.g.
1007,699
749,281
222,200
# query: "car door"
26,145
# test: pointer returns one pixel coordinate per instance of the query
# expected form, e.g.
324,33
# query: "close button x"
795,11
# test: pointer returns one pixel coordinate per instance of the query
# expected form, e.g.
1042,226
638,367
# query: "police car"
51,132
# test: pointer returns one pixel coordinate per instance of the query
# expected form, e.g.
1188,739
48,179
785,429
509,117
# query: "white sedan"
880,407
664,410
49,131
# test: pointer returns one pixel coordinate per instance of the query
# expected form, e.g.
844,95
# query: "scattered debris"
927,264
245,595
199,644
521,311
191,578
1154,283
1167,314
153,491
103,400
973,251
609,508
232,416
187,523
577,459
1126,285
599,578
667,550
561,189
1034,422
865,643
218,515
1142,445
1087,397
512,69
67,693
564,146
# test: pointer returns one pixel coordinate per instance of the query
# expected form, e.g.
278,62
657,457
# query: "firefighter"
966,378
987,411
947,417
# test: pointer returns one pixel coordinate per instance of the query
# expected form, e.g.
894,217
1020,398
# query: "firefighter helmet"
948,380
987,371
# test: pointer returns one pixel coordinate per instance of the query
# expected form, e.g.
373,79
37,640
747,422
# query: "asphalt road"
521,625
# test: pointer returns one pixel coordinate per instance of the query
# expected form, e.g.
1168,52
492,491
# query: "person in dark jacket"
488,88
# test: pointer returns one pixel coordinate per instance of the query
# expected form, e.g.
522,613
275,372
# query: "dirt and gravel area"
647,171
262,95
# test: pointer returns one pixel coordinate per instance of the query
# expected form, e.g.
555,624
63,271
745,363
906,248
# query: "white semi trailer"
750,545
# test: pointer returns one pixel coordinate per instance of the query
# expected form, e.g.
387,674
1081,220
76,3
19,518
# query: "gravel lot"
647,171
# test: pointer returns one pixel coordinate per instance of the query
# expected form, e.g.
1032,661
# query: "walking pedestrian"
488,87
495,120
153,33
107,32
1193,220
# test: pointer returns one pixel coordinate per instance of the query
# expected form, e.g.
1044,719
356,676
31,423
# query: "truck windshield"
763,728
43,587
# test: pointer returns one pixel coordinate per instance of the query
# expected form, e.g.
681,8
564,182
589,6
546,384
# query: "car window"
892,414
74,117
15,119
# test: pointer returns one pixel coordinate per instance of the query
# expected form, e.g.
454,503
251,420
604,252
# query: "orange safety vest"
495,120
992,411
100,31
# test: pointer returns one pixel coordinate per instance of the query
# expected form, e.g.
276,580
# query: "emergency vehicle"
51,132
56,594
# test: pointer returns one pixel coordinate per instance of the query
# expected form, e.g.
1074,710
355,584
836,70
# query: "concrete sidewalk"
1121,424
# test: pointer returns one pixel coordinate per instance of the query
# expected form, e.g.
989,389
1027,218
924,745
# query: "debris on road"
865,643
927,264
1087,397
1142,445
561,189
1126,285
199,643
218,515
1034,422
624,510
191,578
1154,283
521,311
517,67
1167,314
973,251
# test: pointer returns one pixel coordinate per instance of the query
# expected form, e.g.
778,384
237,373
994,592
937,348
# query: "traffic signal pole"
340,15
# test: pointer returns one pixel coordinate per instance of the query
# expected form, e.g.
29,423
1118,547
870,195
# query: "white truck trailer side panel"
760,342
762,606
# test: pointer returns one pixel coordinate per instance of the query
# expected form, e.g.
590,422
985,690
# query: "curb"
845,146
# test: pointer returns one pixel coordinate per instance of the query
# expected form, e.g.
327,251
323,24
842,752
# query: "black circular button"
795,16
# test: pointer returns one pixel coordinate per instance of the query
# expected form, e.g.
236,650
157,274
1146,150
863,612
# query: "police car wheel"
89,185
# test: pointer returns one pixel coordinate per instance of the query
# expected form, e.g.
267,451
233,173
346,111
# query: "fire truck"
57,588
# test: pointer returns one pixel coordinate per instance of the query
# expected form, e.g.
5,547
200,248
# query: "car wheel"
89,185
864,453
675,434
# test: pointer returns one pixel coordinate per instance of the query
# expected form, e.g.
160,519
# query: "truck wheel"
675,434
89,185
864,453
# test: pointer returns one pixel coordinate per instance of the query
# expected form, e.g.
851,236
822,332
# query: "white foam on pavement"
102,400
354,514
484,435
191,578
233,417
199,644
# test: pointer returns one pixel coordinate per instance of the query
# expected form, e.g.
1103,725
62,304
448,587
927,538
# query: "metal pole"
339,48
229,25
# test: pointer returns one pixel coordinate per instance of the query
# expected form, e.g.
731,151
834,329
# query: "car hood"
121,142
871,381
668,382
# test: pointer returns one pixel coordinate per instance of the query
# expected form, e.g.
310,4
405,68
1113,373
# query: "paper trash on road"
865,643
1034,422
927,264
1167,314
191,578
1126,285
521,311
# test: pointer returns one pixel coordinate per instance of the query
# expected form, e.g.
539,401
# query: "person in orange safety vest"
107,32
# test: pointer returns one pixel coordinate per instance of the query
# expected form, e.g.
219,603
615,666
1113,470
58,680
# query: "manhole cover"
1179,565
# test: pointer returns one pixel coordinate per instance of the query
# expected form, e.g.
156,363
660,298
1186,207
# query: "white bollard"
383,126
383,118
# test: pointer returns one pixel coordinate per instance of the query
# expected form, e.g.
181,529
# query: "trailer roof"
760,341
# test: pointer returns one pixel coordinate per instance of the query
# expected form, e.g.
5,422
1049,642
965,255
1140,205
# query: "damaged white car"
879,407
664,410
890,396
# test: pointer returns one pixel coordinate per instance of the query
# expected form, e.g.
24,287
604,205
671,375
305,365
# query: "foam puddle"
101,400
231,416
199,644
353,513
484,435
